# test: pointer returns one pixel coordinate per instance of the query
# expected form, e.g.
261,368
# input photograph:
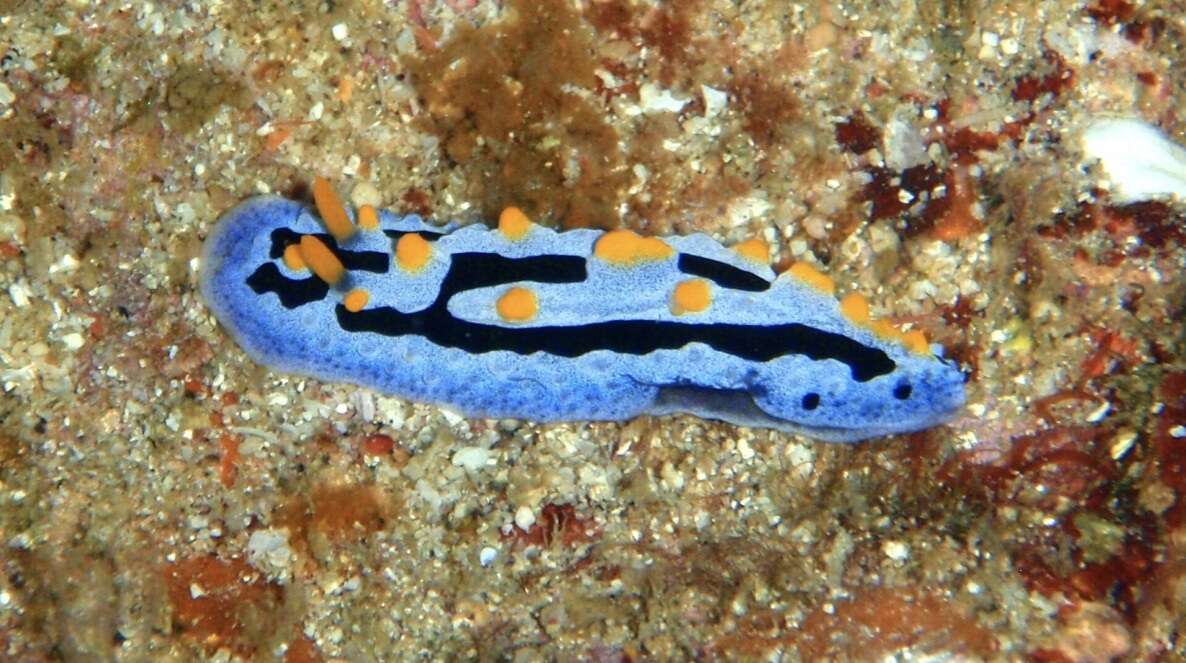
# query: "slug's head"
841,405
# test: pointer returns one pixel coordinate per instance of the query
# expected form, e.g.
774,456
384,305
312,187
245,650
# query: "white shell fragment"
1140,162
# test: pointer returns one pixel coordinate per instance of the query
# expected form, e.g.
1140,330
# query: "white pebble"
654,99
19,294
1139,160
896,550
524,518
340,31
316,111
487,555
472,459
714,100
72,341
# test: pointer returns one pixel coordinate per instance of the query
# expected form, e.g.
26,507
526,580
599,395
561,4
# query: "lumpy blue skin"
600,384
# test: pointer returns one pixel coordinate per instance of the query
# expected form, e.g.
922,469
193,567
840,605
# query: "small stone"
365,193
896,550
487,555
340,31
714,101
73,341
472,459
524,518
653,99
316,111
1121,444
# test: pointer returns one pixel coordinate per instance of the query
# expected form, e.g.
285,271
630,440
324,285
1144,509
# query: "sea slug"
525,322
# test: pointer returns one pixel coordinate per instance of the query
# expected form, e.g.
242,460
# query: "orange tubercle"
754,249
513,223
813,277
293,259
885,329
412,252
517,305
916,342
321,260
855,307
331,209
626,247
368,218
356,300
691,296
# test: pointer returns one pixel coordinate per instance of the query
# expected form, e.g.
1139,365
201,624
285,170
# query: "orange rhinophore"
321,260
331,209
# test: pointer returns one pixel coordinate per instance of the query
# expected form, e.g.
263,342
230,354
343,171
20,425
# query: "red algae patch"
341,513
211,598
557,523
873,624
879,621
302,650
505,101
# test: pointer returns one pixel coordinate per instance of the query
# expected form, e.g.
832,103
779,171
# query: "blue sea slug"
526,322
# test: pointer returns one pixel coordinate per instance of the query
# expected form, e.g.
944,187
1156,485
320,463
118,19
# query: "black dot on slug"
810,401
902,391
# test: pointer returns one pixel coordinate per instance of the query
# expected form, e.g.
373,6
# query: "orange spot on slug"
517,305
378,444
412,252
356,300
916,342
513,223
691,296
231,592
626,247
293,259
754,249
856,308
368,218
813,277
885,329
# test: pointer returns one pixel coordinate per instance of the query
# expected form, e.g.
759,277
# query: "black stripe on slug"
636,337
722,274
292,292
468,271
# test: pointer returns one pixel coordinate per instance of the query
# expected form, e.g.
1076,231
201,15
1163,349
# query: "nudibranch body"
526,322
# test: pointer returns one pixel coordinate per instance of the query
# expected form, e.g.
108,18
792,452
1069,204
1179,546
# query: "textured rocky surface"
164,498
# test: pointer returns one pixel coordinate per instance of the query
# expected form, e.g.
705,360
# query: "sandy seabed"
162,497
